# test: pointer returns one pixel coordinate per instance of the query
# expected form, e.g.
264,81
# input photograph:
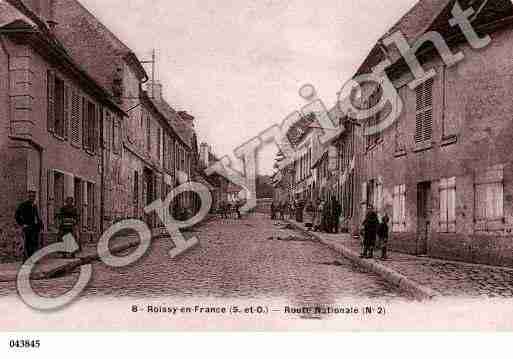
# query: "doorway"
79,200
149,195
424,199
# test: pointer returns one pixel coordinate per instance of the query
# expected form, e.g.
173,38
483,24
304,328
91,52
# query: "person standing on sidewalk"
68,220
310,215
336,209
238,206
27,215
383,232
283,209
370,228
319,216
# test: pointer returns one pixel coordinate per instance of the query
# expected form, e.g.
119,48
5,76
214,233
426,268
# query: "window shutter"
50,83
85,199
107,130
451,209
50,199
67,111
85,124
499,200
443,206
75,116
403,206
396,215
96,212
480,202
96,128
424,112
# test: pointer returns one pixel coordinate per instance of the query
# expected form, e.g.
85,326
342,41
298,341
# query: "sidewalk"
52,267
424,277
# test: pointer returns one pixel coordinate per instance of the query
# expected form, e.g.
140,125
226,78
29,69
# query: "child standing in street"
383,231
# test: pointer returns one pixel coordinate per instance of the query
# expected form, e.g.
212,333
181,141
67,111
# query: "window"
489,198
182,160
375,194
107,133
79,199
148,134
89,125
424,112
55,182
58,105
448,205
347,196
373,121
159,144
116,136
399,209
136,190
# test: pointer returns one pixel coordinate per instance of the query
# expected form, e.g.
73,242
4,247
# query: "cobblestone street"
251,258
449,278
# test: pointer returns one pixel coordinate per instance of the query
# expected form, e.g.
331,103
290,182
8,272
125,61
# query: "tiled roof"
300,129
89,42
429,15
183,131
415,22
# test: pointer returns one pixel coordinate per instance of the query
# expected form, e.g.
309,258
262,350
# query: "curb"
60,267
65,266
418,291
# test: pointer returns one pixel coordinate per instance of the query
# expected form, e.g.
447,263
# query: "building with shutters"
302,136
443,171
82,123
145,152
51,113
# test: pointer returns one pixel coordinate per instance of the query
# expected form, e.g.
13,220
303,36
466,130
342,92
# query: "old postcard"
256,165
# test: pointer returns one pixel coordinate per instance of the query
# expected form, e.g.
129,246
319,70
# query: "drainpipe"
4,48
102,175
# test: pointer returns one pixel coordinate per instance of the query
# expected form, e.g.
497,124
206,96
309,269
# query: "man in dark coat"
27,215
383,233
370,226
326,217
336,209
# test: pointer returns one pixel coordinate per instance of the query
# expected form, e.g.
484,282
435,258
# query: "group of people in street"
374,234
28,217
323,216
280,210
230,210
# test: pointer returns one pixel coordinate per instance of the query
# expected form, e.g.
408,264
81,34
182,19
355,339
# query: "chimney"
155,91
187,119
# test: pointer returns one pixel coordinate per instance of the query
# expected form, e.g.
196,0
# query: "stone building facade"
79,122
443,171
157,141
51,116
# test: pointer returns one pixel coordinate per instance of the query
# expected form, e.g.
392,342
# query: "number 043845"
24,344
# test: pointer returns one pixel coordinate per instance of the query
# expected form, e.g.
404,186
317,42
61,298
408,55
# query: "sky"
238,65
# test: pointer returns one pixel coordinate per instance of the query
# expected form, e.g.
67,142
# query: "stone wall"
472,132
